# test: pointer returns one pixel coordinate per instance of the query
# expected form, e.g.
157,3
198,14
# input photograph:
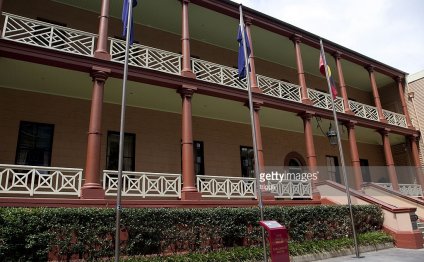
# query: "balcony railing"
363,110
291,189
395,118
38,180
226,187
280,89
37,33
146,57
143,184
413,190
323,100
34,32
217,74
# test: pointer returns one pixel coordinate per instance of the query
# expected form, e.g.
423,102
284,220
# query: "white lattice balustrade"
363,110
280,89
38,180
290,189
413,190
143,184
323,100
34,32
226,187
146,57
217,74
395,118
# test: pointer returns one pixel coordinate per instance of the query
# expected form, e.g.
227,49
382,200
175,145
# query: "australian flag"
125,13
241,58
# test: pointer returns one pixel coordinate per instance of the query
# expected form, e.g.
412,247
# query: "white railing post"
3,32
32,177
51,37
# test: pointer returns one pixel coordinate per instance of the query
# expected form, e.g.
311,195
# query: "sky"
389,31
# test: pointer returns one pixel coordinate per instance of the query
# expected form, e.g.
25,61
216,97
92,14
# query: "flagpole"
255,145
122,134
339,143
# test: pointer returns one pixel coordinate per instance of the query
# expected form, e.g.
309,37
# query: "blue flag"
125,12
241,59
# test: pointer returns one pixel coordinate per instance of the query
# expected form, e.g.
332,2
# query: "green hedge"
31,234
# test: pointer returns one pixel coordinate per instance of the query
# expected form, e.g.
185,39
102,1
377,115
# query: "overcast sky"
390,31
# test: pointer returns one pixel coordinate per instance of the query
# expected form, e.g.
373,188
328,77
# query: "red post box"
278,241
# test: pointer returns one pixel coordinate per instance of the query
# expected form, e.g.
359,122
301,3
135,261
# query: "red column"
185,42
375,94
301,74
189,190
92,187
253,79
403,102
356,164
310,150
389,159
337,57
416,159
101,50
261,162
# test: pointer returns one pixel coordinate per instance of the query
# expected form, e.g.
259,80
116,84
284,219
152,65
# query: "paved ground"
386,255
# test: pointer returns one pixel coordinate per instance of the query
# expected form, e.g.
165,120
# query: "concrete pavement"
386,255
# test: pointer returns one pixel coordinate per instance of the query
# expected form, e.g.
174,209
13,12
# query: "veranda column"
389,158
403,102
375,94
253,79
356,164
185,42
92,187
189,190
301,74
101,50
337,57
416,158
310,150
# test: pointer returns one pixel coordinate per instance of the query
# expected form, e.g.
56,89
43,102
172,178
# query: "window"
199,160
34,144
247,161
295,166
365,170
333,168
112,154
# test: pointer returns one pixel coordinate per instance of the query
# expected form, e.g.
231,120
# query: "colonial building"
187,124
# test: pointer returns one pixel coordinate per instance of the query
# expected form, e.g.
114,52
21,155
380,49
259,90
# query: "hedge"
35,233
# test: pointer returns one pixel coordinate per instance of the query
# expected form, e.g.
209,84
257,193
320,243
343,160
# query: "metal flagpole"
122,134
255,145
339,143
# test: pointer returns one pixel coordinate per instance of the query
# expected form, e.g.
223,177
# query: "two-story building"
187,124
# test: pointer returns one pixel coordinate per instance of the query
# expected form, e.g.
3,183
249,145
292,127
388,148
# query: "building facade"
187,124
415,97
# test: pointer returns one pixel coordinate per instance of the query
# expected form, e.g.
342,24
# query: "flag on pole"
322,65
125,12
242,72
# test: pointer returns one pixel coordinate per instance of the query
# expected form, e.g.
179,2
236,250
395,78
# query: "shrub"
34,233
